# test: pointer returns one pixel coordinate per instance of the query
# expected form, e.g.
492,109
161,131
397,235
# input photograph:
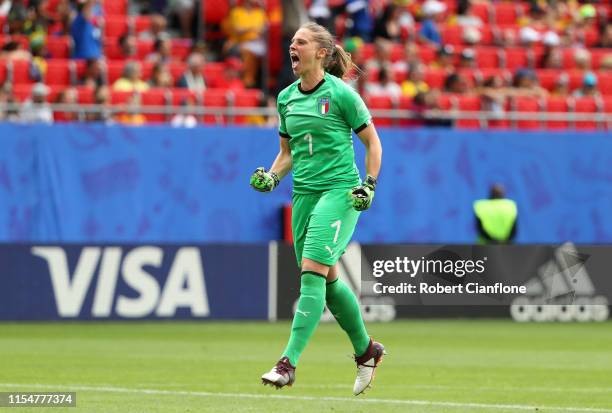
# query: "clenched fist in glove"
363,194
264,181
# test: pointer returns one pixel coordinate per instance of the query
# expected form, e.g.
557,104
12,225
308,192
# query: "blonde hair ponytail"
337,61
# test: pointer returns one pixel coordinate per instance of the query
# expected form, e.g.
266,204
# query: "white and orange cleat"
281,375
366,366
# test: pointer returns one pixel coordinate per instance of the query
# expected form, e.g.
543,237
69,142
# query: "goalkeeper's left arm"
266,181
363,195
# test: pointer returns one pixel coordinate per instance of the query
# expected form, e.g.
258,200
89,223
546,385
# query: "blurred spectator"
184,10
393,21
67,96
432,11
382,55
415,83
444,58
464,16
185,120
128,46
37,21
133,112
157,28
471,36
605,39
38,65
589,86
561,87
192,79
493,96
94,74
385,86
162,50
468,59
261,120
5,7
86,32
6,97
455,83
12,50
606,62
101,98
319,12
130,80
245,27
232,76
17,17
552,57
582,59
529,36
525,82
36,109
161,76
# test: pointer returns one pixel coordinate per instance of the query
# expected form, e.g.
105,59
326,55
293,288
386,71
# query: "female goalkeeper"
317,113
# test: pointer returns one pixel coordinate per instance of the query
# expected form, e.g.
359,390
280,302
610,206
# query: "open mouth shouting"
295,59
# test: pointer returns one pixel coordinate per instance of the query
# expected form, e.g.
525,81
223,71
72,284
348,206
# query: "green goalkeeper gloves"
363,194
264,181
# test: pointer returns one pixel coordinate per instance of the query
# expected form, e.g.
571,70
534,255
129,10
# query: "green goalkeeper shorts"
322,224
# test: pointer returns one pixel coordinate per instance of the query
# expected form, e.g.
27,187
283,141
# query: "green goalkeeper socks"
307,315
343,304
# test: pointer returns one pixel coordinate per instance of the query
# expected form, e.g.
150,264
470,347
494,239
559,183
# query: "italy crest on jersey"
323,106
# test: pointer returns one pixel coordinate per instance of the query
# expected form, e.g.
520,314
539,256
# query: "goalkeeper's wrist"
370,182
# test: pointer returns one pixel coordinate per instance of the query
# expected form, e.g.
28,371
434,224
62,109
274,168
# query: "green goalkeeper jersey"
318,125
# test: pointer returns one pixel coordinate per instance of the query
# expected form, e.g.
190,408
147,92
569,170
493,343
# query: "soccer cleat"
366,366
283,374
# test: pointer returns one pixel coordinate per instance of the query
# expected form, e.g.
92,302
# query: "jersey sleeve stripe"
362,127
284,135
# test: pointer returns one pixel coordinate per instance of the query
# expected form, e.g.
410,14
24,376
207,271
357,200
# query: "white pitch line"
111,389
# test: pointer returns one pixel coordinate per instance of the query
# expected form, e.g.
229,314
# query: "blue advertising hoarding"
99,282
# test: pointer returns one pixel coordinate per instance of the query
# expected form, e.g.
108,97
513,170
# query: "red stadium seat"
22,91
144,47
177,69
181,48
3,71
59,46
141,23
85,95
483,11
515,58
607,108
155,97
215,98
468,103
214,11
427,54
115,25
506,13
487,57
381,102
604,82
586,105
435,78
548,77
179,95
112,50
114,69
452,35
21,71
58,72
114,7
556,104
214,74
526,104
120,98
248,98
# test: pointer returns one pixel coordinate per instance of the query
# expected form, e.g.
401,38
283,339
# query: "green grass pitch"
432,366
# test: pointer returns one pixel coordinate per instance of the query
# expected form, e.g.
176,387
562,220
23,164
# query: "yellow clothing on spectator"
125,85
131,119
411,89
246,24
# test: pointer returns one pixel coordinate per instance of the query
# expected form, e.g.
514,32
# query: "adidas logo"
561,291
